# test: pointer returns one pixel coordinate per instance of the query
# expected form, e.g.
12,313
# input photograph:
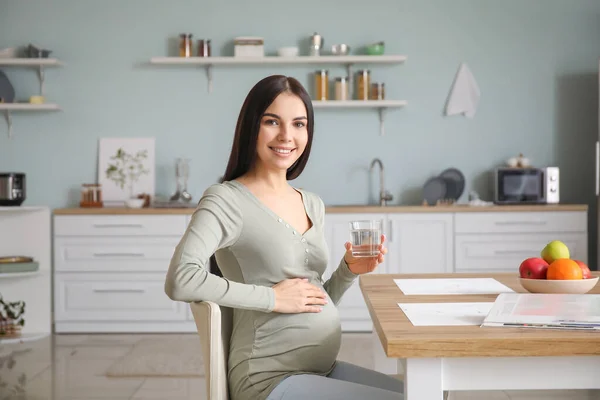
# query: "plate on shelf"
455,183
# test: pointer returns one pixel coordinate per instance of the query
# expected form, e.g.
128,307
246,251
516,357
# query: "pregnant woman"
269,258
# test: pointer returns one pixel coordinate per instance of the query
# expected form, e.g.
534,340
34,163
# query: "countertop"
349,209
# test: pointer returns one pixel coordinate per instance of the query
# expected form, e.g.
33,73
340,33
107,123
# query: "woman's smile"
283,152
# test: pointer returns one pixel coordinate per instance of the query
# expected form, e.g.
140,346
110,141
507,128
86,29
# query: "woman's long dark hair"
243,149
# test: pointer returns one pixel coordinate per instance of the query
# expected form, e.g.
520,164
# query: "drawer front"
504,253
520,222
119,225
108,254
114,297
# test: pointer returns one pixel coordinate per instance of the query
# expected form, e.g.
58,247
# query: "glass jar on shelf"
185,45
204,48
322,84
377,91
341,88
363,84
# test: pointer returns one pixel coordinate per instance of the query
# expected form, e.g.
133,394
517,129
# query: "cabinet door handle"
391,230
119,290
521,223
118,226
118,254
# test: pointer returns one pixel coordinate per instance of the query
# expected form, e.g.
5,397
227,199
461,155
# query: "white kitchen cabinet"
505,252
420,243
109,273
500,241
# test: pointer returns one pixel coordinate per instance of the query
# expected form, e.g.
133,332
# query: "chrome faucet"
384,195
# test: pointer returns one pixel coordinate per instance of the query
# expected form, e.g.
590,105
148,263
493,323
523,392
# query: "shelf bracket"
381,124
209,77
8,122
42,76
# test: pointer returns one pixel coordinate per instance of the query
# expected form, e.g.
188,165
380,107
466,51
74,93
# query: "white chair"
214,324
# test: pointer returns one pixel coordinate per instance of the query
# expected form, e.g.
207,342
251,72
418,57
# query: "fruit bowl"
575,286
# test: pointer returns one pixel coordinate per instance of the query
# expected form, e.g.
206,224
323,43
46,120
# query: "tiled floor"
80,363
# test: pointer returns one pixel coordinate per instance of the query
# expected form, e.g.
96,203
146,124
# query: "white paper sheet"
451,286
446,314
464,94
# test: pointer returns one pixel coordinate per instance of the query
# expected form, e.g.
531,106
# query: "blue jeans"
345,382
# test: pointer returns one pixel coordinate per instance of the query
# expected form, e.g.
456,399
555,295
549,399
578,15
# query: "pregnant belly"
297,342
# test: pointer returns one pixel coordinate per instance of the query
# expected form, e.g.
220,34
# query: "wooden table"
445,358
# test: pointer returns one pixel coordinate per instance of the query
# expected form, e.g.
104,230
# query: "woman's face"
283,133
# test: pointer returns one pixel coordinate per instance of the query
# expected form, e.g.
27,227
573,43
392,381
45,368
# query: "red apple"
587,274
533,268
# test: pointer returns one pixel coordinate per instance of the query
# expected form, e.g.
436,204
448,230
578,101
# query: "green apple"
555,250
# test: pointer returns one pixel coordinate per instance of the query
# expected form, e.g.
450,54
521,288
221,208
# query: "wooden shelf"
39,64
359,103
380,105
348,61
392,59
209,62
30,62
28,107
13,275
24,338
8,108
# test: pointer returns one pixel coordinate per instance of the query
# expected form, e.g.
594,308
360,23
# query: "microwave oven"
526,185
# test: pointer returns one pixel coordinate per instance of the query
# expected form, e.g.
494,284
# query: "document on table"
451,286
546,311
446,314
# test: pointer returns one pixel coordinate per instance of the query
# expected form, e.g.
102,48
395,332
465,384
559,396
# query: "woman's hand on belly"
298,296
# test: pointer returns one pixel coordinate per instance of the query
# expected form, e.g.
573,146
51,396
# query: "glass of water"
365,237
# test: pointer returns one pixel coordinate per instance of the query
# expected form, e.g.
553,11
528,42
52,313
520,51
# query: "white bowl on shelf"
288,52
575,286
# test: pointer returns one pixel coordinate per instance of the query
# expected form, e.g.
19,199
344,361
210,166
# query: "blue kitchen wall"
536,63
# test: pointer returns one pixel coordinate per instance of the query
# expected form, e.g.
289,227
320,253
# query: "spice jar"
204,48
185,45
91,195
377,91
321,84
363,83
341,88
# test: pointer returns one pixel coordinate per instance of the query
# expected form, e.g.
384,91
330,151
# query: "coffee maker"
12,188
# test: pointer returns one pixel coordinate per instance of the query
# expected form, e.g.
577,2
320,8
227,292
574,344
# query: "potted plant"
125,170
11,318
11,322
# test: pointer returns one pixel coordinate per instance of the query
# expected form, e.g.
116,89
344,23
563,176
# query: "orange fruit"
564,269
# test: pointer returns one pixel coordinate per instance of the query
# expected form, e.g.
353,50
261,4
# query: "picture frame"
126,169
